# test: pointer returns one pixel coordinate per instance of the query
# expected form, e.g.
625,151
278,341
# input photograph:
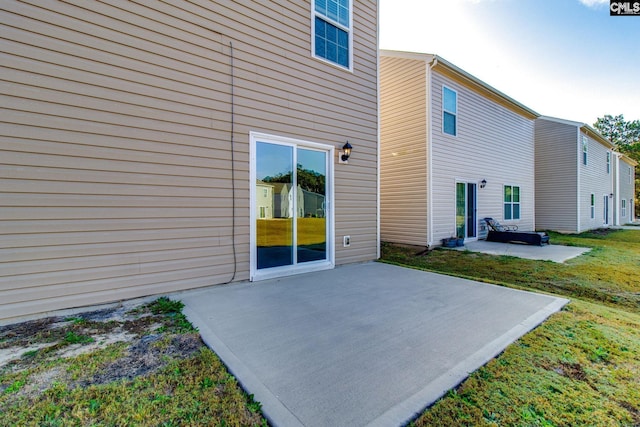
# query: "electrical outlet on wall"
346,241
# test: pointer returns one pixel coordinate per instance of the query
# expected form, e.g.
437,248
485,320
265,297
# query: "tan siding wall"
556,176
595,179
492,143
115,174
403,151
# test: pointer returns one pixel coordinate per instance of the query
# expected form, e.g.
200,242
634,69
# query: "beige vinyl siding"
557,176
595,179
492,143
115,142
403,141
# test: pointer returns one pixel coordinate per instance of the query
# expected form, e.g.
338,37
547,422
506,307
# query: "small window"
511,202
623,207
262,212
584,150
593,206
332,36
449,111
608,162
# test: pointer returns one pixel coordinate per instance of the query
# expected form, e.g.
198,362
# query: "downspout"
429,132
617,189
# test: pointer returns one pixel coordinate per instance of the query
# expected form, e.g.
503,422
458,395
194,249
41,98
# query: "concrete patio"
361,345
555,253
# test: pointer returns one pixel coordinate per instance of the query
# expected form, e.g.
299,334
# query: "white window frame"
608,162
454,113
585,150
348,29
623,207
512,203
592,205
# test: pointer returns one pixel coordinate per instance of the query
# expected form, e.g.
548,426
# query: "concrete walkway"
361,345
555,253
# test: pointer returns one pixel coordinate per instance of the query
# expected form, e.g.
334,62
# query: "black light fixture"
483,183
346,151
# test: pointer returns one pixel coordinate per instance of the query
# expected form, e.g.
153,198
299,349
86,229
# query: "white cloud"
594,3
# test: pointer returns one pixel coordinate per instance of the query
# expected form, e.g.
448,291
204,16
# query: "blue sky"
562,58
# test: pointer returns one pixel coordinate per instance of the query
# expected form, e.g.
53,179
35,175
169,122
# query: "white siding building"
453,151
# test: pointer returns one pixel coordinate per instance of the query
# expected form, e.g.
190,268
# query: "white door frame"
329,262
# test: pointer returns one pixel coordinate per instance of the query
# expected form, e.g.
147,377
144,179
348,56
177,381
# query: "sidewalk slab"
555,253
360,345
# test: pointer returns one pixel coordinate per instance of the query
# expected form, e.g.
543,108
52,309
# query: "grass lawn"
581,367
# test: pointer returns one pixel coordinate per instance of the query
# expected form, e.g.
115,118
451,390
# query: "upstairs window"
585,144
332,36
449,111
511,202
608,162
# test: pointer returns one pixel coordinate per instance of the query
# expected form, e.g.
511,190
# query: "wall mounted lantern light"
483,183
345,153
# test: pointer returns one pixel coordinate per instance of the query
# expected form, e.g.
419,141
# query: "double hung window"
511,202
449,111
332,31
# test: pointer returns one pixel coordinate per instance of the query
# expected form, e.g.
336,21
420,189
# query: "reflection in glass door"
466,210
284,193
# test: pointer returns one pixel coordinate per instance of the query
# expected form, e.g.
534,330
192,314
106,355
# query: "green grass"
580,367
608,274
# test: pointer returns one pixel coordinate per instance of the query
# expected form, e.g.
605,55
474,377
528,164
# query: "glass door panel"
311,177
471,210
460,210
275,205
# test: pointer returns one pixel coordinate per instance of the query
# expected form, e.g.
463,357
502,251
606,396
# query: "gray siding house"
453,151
625,191
141,142
576,185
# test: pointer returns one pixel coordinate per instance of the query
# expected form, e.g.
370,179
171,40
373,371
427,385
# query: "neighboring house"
453,151
625,190
136,137
575,177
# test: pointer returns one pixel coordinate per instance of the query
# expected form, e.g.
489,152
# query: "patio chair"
510,234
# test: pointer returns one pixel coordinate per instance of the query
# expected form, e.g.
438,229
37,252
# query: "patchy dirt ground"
143,339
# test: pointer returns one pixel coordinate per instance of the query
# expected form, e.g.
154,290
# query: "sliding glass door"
291,196
466,210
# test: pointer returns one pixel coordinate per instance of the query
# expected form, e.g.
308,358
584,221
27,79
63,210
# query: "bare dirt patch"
38,353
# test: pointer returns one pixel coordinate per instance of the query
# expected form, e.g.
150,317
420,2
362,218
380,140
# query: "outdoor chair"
510,234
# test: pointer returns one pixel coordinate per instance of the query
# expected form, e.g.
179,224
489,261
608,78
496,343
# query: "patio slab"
360,345
555,253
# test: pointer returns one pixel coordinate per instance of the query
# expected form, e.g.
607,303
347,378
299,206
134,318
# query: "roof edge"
466,78
588,129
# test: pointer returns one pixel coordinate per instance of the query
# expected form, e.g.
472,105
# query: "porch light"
483,183
346,152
